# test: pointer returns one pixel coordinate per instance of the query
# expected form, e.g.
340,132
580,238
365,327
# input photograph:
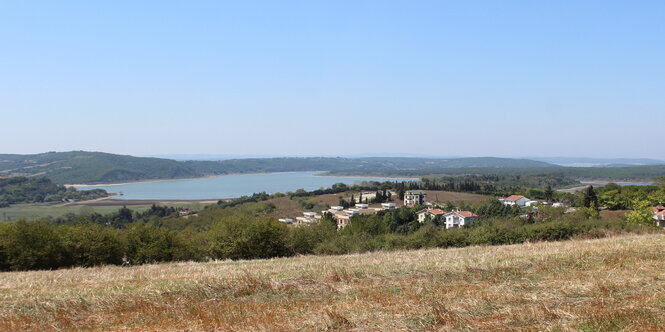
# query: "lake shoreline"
181,179
83,185
112,201
229,186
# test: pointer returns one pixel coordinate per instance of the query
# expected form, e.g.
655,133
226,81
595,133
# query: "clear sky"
469,78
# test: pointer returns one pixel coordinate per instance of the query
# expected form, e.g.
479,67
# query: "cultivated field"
43,210
589,285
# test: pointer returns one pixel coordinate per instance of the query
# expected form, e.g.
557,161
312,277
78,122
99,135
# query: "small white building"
518,200
287,221
457,219
659,215
308,218
333,209
387,206
557,204
362,206
531,203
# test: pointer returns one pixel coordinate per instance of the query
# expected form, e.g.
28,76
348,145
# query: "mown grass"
583,285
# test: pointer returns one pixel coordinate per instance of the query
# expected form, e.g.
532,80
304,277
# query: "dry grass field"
583,285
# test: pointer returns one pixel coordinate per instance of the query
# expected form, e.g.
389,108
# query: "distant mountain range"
98,167
561,161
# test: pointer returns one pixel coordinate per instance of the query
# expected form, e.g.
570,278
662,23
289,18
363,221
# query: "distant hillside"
631,173
92,167
97,167
600,162
354,164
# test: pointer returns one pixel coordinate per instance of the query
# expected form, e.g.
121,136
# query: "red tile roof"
514,197
657,209
437,212
467,214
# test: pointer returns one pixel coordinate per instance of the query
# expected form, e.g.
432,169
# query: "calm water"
230,186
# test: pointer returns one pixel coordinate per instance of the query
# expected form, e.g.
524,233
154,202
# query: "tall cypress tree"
590,197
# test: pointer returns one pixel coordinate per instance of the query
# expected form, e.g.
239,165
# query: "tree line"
21,189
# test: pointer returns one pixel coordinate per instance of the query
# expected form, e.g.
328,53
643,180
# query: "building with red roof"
457,219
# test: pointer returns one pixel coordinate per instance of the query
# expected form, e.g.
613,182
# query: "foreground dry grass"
589,285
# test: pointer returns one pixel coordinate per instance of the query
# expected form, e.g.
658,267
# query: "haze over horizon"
507,79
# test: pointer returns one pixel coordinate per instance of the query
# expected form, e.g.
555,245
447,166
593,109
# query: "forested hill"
291,164
92,167
97,167
631,173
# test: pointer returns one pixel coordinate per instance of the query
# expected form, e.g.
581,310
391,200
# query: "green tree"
90,244
589,196
549,193
147,243
641,213
30,245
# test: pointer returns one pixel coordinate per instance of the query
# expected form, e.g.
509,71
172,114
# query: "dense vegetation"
41,190
494,184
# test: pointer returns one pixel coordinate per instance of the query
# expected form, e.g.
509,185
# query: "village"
451,219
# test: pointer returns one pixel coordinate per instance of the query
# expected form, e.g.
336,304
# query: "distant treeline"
495,184
41,190
646,173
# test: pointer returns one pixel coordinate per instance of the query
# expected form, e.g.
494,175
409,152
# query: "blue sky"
468,78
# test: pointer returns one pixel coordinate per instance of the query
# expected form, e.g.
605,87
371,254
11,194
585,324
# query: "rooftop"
415,192
514,197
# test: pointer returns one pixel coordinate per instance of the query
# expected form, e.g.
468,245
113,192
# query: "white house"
458,219
333,209
430,214
343,218
659,215
387,206
308,218
362,206
531,203
415,197
518,200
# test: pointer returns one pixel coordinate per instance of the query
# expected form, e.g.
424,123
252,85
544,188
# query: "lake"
231,186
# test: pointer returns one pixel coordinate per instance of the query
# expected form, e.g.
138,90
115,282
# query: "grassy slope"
590,285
